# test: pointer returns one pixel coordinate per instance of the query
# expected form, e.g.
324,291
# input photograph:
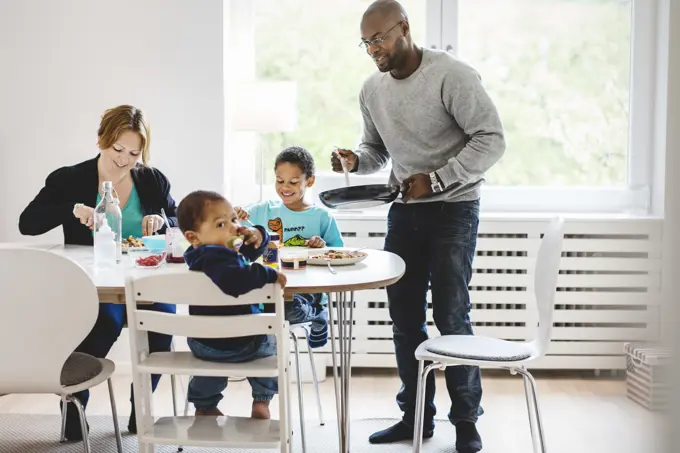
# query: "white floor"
581,413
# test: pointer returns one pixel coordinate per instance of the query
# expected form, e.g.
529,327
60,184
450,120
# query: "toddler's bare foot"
210,412
261,410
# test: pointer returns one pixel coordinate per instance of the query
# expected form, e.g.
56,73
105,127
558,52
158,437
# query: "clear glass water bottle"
109,209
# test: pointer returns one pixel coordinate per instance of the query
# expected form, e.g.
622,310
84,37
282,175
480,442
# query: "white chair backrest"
545,281
49,305
195,288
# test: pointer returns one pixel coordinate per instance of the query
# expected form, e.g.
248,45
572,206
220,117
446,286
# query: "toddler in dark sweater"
210,224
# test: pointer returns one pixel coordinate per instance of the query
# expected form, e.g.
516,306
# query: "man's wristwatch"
436,185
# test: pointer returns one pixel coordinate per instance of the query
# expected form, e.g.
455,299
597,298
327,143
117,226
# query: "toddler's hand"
241,214
281,280
251,236
316,243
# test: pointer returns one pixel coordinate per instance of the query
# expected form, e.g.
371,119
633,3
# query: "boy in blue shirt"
210,224
299,224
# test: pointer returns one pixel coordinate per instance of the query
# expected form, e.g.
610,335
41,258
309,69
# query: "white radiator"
608,290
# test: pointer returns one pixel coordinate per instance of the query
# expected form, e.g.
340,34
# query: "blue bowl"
155,244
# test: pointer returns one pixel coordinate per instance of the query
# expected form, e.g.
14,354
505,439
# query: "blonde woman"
68,200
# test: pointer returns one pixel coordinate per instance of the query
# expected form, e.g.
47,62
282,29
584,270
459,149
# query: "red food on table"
151,260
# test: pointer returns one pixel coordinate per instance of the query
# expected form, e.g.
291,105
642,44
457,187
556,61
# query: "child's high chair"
195,288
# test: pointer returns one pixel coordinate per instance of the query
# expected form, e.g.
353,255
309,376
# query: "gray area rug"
40,433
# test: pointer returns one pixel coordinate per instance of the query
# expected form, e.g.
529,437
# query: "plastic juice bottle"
104,246
107,213
271,253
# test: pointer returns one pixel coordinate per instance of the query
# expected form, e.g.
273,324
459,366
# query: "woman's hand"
316,243
151,224
241,214
251,236
85,214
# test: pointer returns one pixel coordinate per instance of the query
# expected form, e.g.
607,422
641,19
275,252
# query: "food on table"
336,255
150,260
132,241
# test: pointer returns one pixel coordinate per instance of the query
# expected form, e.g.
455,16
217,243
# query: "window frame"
633,198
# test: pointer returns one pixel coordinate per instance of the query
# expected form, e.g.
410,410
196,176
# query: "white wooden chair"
294,328
453,350
49,305
195,288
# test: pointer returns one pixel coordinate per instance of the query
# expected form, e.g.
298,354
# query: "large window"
317,45
569,78
559,72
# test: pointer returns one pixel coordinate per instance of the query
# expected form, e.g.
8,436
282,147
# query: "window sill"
381,214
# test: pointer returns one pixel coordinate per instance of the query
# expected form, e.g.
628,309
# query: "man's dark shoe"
468,439
132,423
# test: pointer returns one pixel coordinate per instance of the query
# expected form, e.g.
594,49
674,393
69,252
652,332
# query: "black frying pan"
359,197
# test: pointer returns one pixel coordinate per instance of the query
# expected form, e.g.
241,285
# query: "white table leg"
334,358
345,315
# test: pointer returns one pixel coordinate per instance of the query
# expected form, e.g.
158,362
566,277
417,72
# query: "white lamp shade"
264,107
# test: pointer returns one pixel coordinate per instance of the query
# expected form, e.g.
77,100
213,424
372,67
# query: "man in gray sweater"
429,114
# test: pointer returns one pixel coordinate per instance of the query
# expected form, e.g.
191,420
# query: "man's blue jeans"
437,241
206,392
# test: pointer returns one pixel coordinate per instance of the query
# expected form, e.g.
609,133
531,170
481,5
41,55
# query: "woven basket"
646,376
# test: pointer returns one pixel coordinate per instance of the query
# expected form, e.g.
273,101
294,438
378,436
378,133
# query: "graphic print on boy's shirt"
296,228
276,225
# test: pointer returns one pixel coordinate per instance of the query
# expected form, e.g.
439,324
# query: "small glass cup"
175,245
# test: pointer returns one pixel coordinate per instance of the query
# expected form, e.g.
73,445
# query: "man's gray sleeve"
468,102
373,155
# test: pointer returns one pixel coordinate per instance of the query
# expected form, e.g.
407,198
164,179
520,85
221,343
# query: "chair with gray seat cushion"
49,305
79,368
454,350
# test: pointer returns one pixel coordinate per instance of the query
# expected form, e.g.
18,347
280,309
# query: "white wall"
671,239
62,63
671,137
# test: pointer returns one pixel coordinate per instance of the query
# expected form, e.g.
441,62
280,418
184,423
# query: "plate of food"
337,257
132,243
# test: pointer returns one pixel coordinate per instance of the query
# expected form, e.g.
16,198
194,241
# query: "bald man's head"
386,34
389,9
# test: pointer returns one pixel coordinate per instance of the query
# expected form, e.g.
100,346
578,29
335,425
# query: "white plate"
136,249
360,256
